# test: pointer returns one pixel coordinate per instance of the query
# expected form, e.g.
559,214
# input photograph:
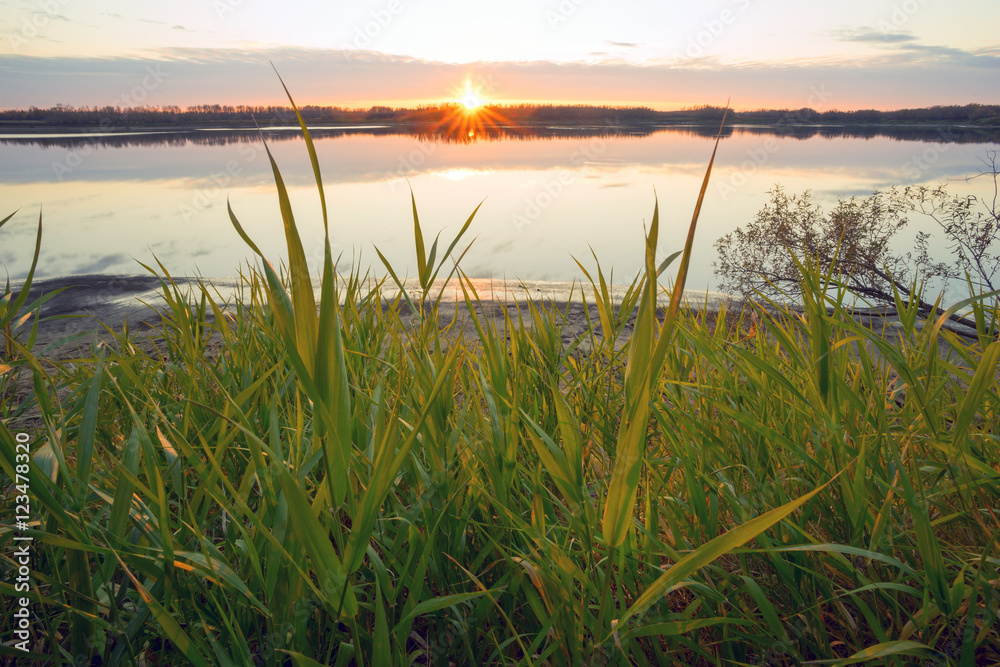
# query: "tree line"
526,114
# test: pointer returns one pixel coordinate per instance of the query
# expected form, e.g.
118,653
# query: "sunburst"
469,116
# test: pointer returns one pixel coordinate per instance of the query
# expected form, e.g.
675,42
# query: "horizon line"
498,104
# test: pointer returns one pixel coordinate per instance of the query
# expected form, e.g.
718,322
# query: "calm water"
110,202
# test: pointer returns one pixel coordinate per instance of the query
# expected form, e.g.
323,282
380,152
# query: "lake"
549,194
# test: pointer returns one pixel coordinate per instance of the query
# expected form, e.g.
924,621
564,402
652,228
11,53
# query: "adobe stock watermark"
485,85
31,26
921,162
758,157
713,29
22,555
224,7
152,80
553,188
411,162
550,191
562,13
215,184
365,35
900,16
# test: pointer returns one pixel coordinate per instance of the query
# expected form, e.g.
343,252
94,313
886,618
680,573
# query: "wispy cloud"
869,35
903,48
947,55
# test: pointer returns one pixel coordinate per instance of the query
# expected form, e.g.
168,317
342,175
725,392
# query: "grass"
339,484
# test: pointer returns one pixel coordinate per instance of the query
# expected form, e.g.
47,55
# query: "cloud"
627,45
988,58
868,35
100,264
902,75
903,48
180,27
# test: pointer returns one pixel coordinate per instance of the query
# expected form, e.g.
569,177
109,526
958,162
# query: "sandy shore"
71,322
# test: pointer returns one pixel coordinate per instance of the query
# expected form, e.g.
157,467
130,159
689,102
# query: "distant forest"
113,117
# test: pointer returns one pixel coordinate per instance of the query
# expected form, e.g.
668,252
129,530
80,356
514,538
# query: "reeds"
289,481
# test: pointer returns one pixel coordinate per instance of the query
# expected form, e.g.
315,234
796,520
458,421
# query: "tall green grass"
334,482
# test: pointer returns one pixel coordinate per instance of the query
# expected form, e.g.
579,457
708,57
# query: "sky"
850,54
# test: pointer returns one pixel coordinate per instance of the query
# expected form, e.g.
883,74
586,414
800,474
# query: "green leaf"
381,647
123,488
624,485
451,247
443,602
214,568
8,218
239,230
387,464
300,659
708,552
674,628
47,461
313,158
886,649
22,296
303,299
88,429
171,629
981,382
418,239
316,540
332,385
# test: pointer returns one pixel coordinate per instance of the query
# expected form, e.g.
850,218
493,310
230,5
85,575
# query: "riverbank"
86,304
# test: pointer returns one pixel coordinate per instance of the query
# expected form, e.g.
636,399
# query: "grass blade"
708,552
88,430
885,650
312,153
171,629
22,296
316,540
303,300
418,240
981,382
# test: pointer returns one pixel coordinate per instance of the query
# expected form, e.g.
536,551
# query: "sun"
470,117
471,99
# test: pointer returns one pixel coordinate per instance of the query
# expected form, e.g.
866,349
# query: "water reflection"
552,193
465,129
